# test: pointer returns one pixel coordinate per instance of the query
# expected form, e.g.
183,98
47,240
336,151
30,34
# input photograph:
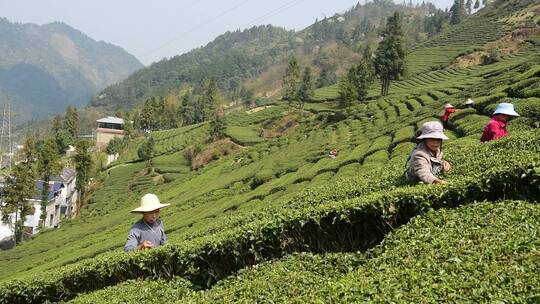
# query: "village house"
62,203
107,129
62,197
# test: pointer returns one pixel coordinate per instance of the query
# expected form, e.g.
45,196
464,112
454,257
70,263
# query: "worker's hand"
146,245
446,166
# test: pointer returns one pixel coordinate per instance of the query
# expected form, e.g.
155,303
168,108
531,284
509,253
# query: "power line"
272,13
196,27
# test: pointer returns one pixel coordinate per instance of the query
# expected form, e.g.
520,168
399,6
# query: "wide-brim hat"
149,202
505,108
432,129
469,101
447,106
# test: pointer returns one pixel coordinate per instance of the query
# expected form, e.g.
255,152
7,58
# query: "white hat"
469,101
505,108
446,106
149,202
432,129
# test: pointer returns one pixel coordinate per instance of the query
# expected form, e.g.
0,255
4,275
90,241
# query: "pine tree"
48,166
83,165
291,80
457,12
247,95
327,76
29,152
209,99
21,186
146,150
186,109
71,122
218,125
305,91
361,77
389,62
346,93
56,123
367,55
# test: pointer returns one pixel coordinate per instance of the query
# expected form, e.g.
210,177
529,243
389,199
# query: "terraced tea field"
280,221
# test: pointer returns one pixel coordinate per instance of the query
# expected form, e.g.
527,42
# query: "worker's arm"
132,242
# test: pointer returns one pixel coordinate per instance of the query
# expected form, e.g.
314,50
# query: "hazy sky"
151,30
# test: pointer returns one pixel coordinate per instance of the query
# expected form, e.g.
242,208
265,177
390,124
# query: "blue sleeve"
132,240
164,236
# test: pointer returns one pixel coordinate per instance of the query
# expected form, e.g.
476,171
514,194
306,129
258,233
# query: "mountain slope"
282,195
44,68
256,57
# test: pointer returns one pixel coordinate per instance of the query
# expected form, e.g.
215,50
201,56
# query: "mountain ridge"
76,64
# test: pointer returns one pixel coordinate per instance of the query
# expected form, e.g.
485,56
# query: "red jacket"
447,112
495,129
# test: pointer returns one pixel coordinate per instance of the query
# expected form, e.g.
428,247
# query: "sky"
152,30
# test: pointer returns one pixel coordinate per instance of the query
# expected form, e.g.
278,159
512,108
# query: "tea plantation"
278,221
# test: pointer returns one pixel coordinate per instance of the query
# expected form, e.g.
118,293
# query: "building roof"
52,193
111,119
66,176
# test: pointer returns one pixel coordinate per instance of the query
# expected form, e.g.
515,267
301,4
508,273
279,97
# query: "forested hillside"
254,59
45,68
263,214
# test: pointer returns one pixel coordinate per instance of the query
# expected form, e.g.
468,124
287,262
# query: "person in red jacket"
496,127
448,110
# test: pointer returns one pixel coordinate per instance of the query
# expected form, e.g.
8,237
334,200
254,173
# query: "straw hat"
505,108
447,106
149,202
432,129
469,101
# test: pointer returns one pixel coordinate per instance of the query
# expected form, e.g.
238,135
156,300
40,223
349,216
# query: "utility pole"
6,132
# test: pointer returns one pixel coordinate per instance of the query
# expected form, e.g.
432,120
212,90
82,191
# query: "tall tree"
291,80
114,146
21,186
247,95
186,109
305,91
346,93
218,125
83,165
146,150
389,59
457,12
48,166
361,77
209,99
71,122
327,76
367,55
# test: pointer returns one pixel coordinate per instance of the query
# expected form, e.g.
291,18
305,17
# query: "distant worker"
469,104
448,110
496,127
148,232
426,160
333,153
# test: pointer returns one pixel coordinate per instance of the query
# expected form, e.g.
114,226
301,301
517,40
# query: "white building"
62,202
108,128
62,197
